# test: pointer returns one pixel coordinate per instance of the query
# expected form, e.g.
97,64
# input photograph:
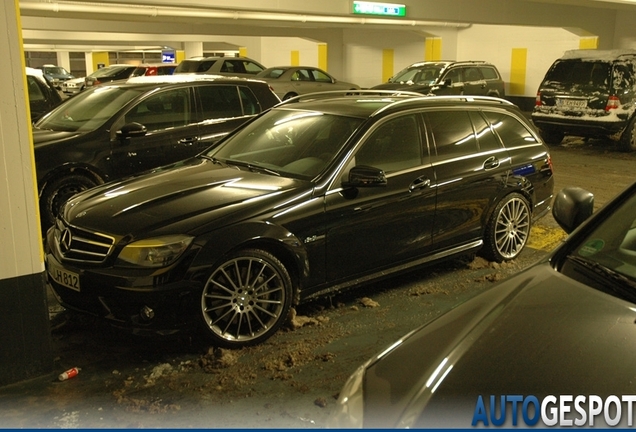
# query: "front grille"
76,244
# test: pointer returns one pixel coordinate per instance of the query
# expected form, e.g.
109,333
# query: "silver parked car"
290,81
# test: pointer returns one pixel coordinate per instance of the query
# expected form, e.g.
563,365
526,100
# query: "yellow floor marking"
545,238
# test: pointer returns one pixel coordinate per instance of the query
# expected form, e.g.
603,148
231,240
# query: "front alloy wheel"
246,299
508,230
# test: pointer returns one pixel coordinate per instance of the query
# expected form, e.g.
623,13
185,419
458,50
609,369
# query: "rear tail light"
537,101
612,103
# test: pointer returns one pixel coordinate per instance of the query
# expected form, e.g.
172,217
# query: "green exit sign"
373,8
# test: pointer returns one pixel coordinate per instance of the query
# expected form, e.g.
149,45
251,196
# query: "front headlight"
349,412
155,252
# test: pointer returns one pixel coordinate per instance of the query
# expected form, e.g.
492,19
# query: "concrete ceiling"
106,25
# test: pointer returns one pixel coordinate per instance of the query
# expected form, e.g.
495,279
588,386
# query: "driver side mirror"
572,206
365,176
131,130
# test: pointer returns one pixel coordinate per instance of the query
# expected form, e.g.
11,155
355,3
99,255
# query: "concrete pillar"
64,60
25,338
193,49
88,61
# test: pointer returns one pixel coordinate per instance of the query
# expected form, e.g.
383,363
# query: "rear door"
470,166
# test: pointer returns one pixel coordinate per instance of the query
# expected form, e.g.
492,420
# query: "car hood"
539,333
186,197
403,86
46,136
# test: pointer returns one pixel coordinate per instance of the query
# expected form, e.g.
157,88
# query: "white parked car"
290,81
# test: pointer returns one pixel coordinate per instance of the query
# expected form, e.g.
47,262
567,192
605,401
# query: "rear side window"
252,68
489,73
486,139
219,101
452,132
35,92
195,66
249,101
510,130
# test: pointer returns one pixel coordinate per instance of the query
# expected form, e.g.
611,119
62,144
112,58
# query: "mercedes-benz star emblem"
65,241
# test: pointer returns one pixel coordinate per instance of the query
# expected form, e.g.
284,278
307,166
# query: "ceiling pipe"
191,12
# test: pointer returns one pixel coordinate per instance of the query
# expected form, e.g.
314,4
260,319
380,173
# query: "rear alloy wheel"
289,96
628,138
246,299
508,230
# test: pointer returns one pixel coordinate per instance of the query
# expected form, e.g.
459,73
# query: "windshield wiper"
212,159
619,283
252,167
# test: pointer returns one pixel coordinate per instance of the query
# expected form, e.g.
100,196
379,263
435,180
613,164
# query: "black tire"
508,230
289,96
552,137
57,192
246,299
628,138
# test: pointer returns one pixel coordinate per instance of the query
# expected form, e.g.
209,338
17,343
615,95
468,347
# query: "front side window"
163,110
454,75
394,146
320,76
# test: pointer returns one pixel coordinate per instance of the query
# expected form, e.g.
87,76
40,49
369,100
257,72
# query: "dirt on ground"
293,379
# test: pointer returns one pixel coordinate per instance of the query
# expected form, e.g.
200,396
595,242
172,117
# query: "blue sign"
167,56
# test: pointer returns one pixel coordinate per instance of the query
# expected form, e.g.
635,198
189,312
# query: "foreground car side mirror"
133,129
365,176
572,206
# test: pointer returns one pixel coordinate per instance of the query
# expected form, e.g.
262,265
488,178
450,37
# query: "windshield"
295,143
89,109
417,75
610,252
56,70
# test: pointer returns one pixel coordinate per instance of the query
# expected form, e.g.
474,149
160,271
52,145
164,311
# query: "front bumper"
120,297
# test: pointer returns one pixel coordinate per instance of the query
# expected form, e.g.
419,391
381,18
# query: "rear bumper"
581,126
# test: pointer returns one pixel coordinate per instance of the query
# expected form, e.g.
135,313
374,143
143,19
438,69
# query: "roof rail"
466,98
344,93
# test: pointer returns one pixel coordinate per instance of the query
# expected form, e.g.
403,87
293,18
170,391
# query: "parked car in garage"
231,66
43,96
56,74
290,81
448,78
115,130
73,86
589,93
149,69
110,73
561,327
317,195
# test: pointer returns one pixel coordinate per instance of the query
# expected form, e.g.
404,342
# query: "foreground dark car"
589,93
115,130
448,78
316,195
565,326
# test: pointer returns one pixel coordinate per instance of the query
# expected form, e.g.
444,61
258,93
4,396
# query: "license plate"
572,103
64,277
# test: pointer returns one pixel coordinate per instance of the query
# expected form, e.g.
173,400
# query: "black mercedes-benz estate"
320,193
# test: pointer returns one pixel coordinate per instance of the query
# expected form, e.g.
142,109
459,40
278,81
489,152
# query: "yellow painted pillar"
588,42
518,71
179,56
387,64
295,58
100,59
322,56
243,51
433,49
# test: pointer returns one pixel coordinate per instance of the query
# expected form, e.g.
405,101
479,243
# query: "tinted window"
320,76
274,73
579,72
486,139
35,92
455,75
393,146
489,72
232,66
249,101
301,75
195,66
472,74
161,111
251,68
510,130
452,132
220,101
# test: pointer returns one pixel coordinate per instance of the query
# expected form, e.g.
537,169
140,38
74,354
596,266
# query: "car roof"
366,104
600,55
184,78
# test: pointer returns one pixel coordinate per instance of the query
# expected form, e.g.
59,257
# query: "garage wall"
495,44
276,51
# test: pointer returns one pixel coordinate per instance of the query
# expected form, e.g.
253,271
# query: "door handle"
491,162
420,183
188,140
